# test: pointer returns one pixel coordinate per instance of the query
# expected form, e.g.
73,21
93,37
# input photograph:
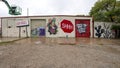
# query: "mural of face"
52,27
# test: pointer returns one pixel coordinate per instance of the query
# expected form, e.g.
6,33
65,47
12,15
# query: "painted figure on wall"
40,31
107,32
52,27
99,31
34,31
81,28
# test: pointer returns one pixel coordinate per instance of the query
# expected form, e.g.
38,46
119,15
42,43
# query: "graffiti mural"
81,28
52,27
34,32
104,31
40,31
99,31
107,32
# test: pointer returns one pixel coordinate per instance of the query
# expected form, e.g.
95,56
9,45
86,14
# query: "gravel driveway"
46,53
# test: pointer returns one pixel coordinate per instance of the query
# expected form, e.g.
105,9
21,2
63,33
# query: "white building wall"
61,33
9,28
4,28
106,27
57,23
23,29
14,31
59,19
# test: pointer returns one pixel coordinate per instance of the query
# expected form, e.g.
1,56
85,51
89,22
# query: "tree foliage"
106,10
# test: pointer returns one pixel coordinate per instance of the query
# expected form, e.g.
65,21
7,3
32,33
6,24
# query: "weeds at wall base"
8,42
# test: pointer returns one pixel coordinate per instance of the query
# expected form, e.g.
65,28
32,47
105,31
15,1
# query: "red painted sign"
22,23
67,26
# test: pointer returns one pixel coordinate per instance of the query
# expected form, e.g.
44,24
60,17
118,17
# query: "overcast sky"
50,7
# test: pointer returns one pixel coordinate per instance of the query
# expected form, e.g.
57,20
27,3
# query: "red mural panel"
82,28
67,26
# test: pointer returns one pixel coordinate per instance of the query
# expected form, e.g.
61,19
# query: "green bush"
115,27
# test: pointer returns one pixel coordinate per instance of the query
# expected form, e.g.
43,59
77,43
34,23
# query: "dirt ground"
61,53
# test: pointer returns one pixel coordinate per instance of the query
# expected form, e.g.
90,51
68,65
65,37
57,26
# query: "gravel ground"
35,53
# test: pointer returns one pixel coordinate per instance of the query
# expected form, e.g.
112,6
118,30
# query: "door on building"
38,27
82,28
12,31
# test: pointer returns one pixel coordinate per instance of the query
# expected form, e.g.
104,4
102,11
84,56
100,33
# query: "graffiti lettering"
22,23
81,28
66,26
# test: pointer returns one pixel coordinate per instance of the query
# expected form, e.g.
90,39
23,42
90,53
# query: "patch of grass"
101,44
67,43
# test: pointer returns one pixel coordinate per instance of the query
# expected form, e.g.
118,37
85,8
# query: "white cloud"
50,7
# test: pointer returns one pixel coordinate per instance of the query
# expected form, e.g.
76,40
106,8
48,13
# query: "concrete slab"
7,39
49,53
71,41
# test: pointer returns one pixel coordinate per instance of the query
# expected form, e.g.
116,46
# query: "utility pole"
27,11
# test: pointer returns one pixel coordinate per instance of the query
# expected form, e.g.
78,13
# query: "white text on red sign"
67,26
